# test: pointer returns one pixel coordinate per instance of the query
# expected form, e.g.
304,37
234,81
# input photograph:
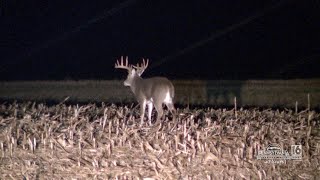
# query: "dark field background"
211,40
218,93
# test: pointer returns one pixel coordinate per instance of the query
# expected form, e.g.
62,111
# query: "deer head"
133,71
152,91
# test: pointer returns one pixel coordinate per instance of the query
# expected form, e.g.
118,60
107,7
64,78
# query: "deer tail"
172,91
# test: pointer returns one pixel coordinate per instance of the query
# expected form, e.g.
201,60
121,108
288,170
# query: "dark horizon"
191,40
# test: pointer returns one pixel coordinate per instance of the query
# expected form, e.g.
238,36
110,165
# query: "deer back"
154,88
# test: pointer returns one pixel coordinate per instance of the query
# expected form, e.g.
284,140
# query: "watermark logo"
275,154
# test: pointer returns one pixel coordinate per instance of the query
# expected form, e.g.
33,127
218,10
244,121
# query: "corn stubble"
106,142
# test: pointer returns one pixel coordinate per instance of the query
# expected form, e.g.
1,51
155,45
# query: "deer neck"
136,84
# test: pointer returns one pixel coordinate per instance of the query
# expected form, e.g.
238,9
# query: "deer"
154,91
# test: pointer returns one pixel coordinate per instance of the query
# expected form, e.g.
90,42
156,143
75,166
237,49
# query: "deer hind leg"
142,110
150,106
158,106
170,107
169,103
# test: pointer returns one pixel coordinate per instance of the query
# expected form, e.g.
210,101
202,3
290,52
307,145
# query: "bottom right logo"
273,153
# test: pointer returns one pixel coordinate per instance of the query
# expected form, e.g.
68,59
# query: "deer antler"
121,65
141,67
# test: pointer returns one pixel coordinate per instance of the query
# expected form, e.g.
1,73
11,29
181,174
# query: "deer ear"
133,71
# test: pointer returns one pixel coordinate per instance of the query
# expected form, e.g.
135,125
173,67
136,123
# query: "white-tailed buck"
152,91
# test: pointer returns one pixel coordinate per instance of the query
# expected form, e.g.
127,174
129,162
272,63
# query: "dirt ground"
107,142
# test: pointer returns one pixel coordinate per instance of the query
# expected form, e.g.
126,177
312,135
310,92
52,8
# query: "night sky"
247,39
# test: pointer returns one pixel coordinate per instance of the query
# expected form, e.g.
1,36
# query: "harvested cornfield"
98,141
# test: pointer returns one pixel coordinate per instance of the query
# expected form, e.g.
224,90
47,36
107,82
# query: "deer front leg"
142,110
150,106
